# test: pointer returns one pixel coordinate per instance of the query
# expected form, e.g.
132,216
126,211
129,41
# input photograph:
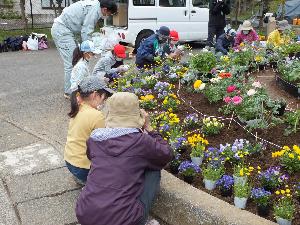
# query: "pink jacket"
240,37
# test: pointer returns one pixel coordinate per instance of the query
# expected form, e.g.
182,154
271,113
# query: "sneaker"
67,96
152,222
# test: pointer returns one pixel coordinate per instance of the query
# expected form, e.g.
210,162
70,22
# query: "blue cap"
87,46
165,31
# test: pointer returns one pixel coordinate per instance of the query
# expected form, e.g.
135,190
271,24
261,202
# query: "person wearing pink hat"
105,67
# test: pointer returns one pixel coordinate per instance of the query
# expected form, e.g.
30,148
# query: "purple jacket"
119,157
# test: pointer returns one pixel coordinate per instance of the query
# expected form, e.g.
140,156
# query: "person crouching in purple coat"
126,161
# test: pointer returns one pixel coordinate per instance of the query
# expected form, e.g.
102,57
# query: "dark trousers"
212,31
151,187
79,173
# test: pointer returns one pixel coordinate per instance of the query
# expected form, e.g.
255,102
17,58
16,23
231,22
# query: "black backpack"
14,43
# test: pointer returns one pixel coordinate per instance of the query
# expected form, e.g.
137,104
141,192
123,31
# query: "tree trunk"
23,14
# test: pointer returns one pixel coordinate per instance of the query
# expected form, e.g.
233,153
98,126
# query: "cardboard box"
120,20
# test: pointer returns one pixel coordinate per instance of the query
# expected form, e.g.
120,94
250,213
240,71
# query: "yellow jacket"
276,39
80,129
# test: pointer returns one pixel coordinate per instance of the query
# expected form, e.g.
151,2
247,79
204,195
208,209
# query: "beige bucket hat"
123,111
246,25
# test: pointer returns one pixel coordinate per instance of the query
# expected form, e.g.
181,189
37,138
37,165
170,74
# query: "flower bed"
223,128
289,76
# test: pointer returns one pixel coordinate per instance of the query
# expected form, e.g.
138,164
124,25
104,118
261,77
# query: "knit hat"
246,25
164,31
123,111
87,46
93,83
174,35
283,25
119,50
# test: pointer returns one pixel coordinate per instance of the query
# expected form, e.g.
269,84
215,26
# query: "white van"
138,19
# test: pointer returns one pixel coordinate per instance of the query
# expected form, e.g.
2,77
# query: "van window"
172,3
201,3
144,2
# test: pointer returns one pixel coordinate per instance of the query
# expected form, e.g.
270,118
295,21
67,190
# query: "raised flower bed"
230,122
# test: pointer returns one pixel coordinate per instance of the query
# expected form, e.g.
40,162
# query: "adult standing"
79,18
218,9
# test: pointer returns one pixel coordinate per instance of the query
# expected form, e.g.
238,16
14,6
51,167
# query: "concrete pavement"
35,186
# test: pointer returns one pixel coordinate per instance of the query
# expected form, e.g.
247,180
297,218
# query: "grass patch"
11,33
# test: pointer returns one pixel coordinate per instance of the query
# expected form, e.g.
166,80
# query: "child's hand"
147,124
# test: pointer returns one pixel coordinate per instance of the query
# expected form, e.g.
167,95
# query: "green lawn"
9,33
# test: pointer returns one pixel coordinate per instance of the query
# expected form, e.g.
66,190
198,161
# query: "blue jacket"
223,44
147,50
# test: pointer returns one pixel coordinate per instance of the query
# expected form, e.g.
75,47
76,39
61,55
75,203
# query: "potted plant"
225,184
212,126
211,175
198,144
174,164
171,103
241,194
297,191
261,197
148,102
188,170
240,174
284,211
271,178
289,158
280,107
191,120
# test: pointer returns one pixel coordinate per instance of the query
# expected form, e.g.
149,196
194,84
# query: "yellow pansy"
282,192
241,172
296,149
277,192
291,155
197,84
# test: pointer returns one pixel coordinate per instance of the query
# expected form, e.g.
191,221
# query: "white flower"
204,50
180,47
251,92
215,80
256,84
202,86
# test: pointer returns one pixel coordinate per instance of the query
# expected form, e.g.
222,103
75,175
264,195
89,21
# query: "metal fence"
23,14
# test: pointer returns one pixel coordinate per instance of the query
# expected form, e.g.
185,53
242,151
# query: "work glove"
156,58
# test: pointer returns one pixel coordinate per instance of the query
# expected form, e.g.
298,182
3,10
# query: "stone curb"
179,203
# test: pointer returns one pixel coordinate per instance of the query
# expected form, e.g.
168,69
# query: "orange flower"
225,75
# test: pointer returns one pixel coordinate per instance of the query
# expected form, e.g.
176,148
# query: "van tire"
140,38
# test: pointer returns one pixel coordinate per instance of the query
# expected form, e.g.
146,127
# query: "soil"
267,77
232,131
